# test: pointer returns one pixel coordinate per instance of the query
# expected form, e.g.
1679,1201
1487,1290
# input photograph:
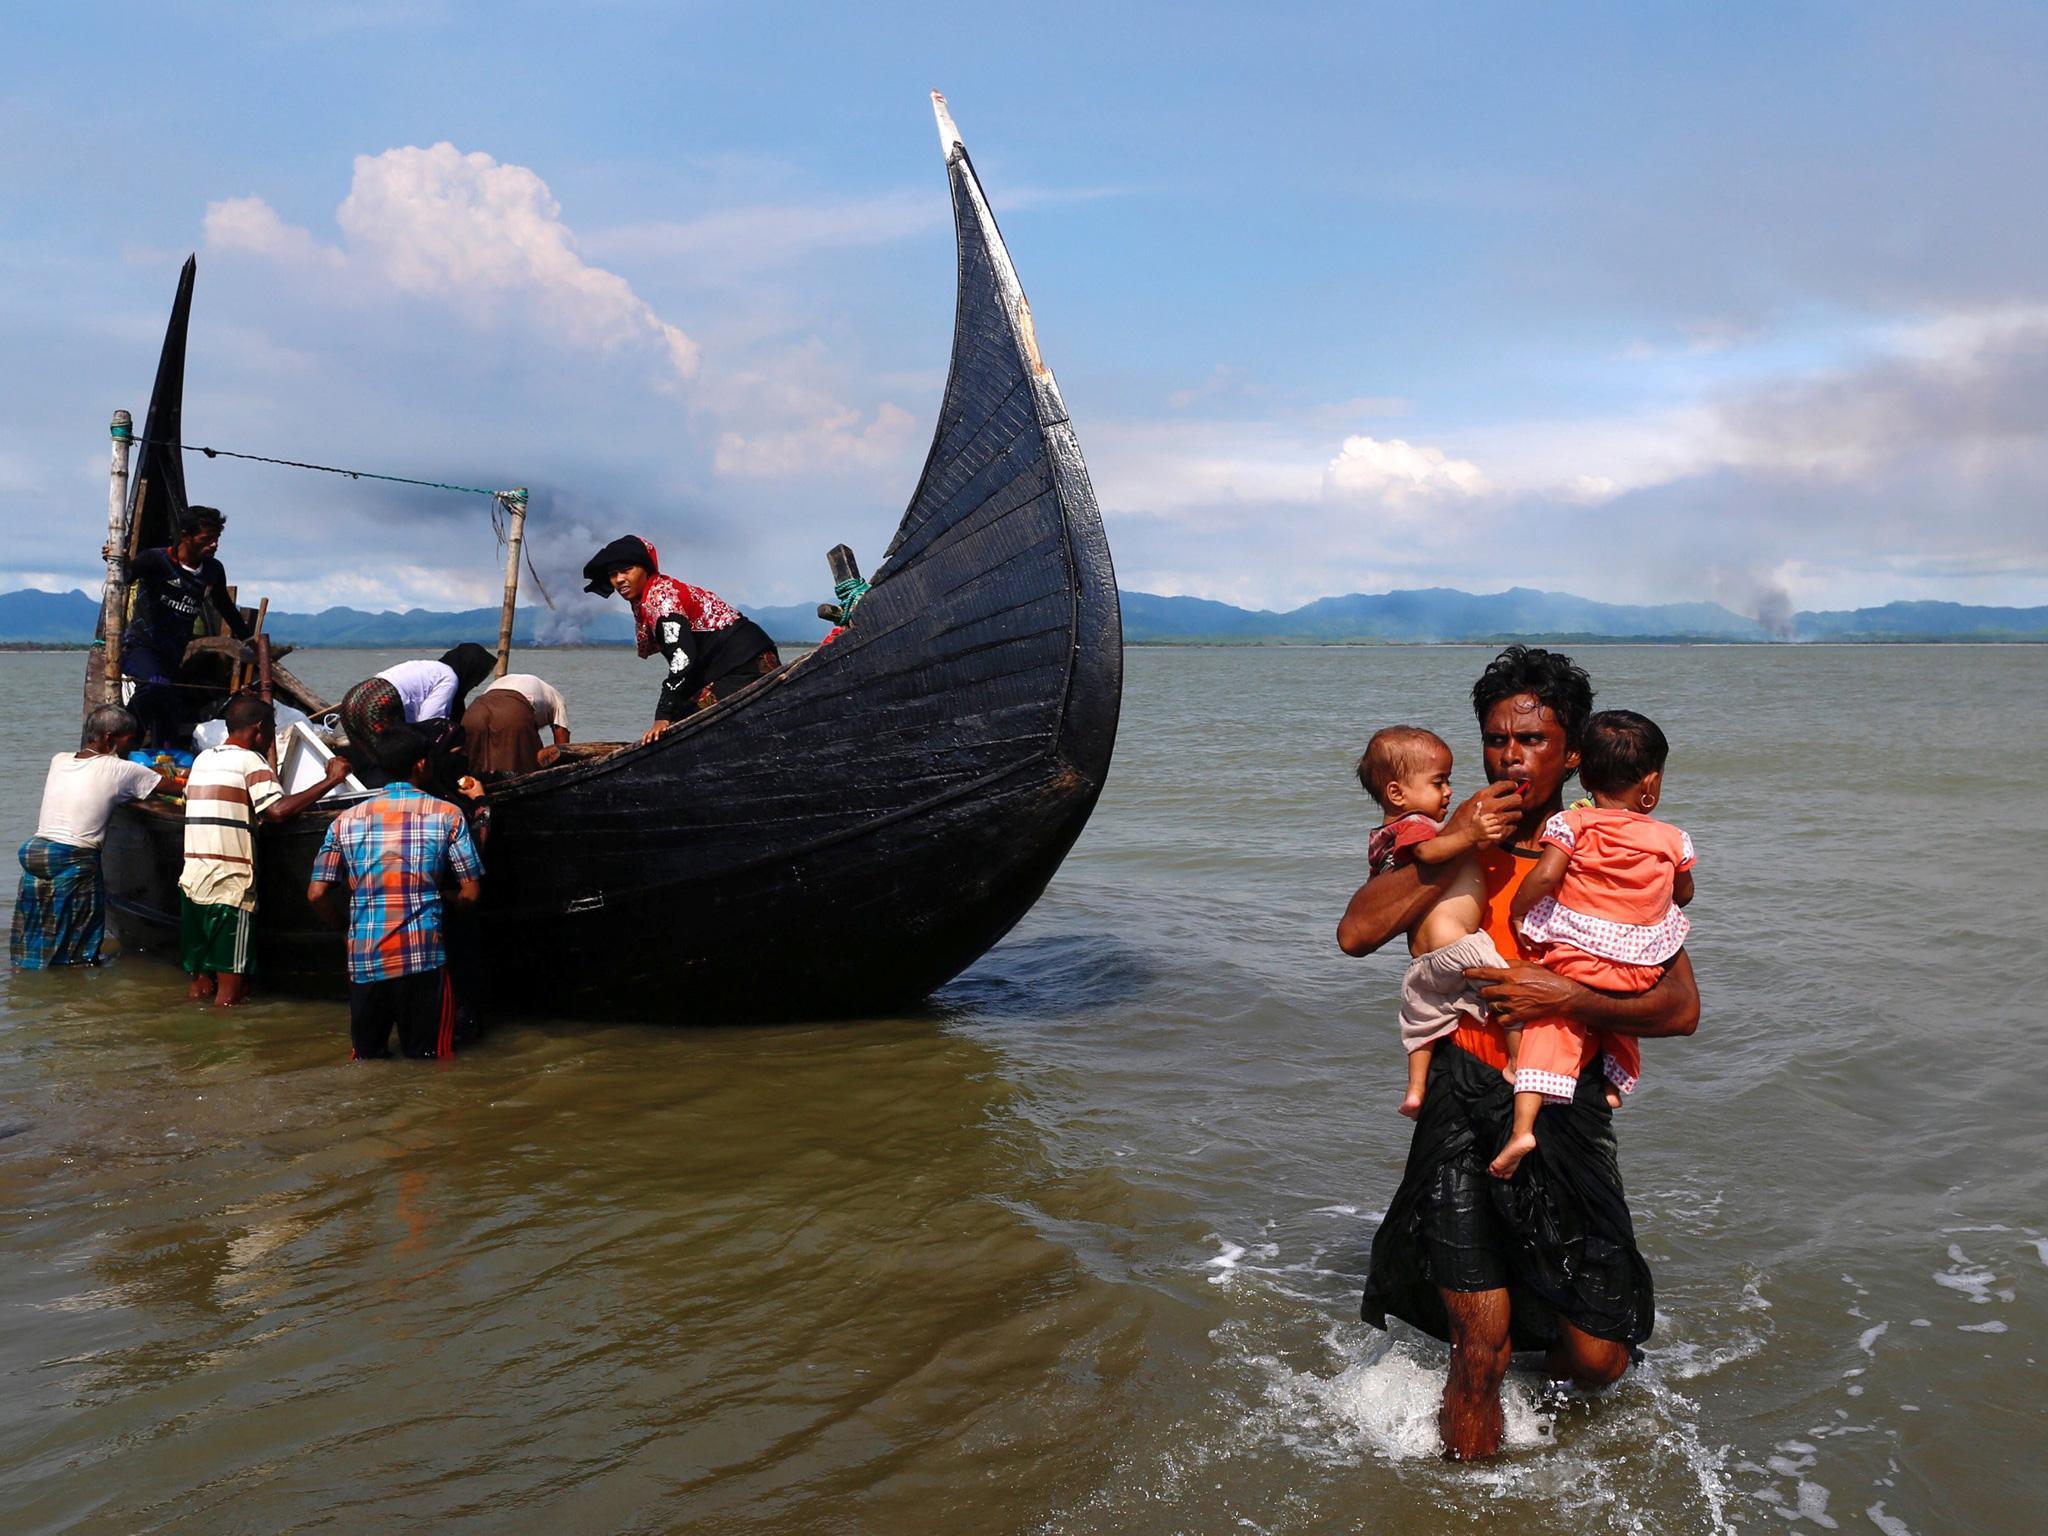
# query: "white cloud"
251,227
1916,470
1173,470
1594,457
838,439
1396,472
485,238
388,588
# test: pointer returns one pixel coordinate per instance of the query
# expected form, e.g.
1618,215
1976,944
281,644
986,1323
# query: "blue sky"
1641,302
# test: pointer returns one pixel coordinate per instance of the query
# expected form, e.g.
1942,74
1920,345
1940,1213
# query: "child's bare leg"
1514,1038
1522,1140
1418,1077
1457,911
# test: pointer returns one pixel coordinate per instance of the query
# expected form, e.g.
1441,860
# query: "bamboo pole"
263,687
515,533
240,677
114,598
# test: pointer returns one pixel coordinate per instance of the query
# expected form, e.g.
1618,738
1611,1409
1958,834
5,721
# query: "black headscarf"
597,571
471,664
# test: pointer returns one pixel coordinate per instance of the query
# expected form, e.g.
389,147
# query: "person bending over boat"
1548,1259
412,693
712,649
503,726
172,586
59,916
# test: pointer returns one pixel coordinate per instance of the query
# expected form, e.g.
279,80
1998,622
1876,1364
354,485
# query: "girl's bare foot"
200,990
1412,1105
1511,1155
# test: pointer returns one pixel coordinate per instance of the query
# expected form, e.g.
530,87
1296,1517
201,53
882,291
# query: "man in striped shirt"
231,788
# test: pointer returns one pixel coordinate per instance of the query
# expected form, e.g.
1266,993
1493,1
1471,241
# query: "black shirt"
168,599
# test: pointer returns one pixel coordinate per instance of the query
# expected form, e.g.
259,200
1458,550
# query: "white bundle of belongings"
302,756
209,734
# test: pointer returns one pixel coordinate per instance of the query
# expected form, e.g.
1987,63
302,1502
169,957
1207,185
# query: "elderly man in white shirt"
59,914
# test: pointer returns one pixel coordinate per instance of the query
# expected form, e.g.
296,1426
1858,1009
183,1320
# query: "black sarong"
1570,1247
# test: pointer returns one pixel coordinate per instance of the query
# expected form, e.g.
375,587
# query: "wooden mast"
514,502
114,598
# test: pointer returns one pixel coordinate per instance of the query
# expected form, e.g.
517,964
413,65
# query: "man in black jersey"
171,587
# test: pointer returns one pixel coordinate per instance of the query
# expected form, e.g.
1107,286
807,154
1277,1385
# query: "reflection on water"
1078,1247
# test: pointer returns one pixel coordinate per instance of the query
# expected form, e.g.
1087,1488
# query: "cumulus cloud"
836,440
251,227
485,238
1397,472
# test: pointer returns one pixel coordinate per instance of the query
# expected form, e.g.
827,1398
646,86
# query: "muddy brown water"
1077,1247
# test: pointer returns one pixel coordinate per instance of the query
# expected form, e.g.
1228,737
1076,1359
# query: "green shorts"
216,939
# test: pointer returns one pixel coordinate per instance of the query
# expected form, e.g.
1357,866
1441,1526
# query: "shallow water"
1078,1249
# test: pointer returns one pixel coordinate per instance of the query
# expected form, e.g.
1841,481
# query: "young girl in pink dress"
1603,902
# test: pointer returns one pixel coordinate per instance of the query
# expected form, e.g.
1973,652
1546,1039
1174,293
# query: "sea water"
1078,1248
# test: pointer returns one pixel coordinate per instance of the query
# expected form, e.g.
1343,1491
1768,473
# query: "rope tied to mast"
499,499
325,469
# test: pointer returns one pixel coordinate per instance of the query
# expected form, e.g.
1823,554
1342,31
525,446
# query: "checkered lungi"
59,917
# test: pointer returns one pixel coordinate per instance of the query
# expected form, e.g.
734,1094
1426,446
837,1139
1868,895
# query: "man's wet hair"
246,709
1621,748
1394,753
109,722
1555,680
206,519
398,751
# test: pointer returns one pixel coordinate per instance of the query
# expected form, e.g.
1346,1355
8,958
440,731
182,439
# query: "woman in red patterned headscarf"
712,649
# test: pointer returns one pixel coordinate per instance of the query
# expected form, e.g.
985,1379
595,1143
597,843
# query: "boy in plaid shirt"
395,851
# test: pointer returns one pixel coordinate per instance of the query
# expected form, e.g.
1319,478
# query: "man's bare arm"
1393,903
1523,993
326,901
1388,905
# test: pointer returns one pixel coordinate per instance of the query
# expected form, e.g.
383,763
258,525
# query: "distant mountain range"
1446,614
1431,614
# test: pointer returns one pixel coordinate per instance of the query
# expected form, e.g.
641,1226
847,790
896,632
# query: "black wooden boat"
851,831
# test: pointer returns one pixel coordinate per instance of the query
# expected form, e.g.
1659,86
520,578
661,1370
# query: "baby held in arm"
1407,771
1601,908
